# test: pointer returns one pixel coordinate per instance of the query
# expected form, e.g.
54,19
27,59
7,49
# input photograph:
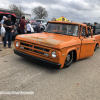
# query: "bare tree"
40,12
18,10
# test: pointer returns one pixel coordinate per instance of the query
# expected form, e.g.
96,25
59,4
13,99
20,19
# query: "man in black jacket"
9,27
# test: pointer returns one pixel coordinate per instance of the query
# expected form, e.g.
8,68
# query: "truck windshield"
64,29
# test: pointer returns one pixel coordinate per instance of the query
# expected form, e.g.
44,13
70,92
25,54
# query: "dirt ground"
81,81
6,51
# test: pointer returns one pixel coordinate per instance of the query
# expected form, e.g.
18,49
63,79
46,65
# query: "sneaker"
9,47
0,42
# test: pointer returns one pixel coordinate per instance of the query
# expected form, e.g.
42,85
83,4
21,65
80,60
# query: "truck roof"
65,22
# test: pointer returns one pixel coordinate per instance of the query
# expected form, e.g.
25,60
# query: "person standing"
0,34
29,27
38,25
63,19
93,28
2,22
22,25
9,27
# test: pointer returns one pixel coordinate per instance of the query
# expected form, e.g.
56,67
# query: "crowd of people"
8,26
28,28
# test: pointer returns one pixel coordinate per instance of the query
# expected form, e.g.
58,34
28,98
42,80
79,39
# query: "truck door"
87,44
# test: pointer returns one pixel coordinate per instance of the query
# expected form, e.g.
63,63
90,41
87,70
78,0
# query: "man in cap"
9,27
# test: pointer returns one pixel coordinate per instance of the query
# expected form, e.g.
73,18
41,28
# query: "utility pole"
98,19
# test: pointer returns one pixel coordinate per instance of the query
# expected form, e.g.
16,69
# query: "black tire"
69,59
96,47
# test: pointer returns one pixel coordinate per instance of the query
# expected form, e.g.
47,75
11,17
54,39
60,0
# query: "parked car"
43,23
66,42
97,36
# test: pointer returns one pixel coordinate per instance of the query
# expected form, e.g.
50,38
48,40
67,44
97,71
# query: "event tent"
6,13
60,19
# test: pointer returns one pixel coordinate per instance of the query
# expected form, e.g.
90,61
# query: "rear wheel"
69,59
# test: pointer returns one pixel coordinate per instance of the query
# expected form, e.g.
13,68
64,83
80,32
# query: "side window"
83,31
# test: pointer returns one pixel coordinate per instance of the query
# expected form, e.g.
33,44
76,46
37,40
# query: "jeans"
22,32
8,36
38,30
28,31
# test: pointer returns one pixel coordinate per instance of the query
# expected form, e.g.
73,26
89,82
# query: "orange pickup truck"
60,44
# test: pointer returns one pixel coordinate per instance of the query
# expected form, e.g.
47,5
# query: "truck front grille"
24,44
34,48
40,48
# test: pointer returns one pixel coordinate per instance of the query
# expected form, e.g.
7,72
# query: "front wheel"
69,59
96,47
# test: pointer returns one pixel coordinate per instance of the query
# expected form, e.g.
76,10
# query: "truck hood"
57,41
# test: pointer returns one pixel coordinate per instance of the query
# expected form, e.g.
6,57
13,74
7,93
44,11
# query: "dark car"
97,29
15,33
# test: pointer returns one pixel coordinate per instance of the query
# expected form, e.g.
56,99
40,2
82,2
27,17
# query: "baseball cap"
9,16
4,16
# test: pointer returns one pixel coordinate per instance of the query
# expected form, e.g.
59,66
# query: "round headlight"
17,44
53,54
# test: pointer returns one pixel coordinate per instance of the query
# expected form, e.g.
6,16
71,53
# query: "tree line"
39,12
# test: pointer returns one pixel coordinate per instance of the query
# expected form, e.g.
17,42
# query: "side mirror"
86,35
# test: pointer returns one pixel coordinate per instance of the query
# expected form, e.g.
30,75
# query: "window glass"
83,31
64,29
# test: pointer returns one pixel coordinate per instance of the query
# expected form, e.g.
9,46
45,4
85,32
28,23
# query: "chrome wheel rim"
68,57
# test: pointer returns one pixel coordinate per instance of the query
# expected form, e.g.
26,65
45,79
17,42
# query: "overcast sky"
74,10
